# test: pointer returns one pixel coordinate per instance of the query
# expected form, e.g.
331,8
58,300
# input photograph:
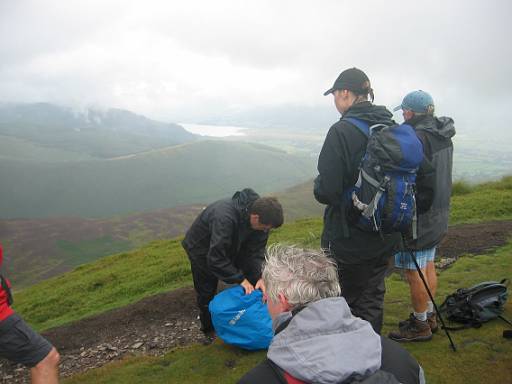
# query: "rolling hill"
38,249
42,248
162,265
180,175
94,132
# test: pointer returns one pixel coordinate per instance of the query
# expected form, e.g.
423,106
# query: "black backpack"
476,305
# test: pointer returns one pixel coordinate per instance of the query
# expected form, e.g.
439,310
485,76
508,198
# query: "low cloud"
198,58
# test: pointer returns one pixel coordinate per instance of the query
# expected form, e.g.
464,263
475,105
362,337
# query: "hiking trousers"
362,285
205,285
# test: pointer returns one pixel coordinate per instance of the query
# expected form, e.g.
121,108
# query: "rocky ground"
158,323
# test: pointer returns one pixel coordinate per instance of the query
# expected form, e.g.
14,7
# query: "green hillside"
298,202
152,180
482,202
37,249
117,280
481,352
161,266
12,148
124,278
470,202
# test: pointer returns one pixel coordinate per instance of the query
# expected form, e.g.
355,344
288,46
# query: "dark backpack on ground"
476,305
383,199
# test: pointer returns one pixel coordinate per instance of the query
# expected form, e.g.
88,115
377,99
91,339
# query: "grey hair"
301,275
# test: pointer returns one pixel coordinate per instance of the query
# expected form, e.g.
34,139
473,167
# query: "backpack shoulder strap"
7,289
363,126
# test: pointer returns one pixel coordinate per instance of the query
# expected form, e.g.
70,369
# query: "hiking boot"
431,319
208,337
412,330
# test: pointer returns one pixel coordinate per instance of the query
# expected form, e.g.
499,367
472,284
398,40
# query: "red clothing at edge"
5,310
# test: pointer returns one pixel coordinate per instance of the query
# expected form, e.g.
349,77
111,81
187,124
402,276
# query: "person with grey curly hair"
317,339
300,276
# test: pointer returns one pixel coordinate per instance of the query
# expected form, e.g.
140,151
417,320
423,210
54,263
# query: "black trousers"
362,285
205,285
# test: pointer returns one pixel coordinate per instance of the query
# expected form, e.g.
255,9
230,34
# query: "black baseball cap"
352,79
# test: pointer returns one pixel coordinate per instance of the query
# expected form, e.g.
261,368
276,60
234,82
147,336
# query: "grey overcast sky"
184,60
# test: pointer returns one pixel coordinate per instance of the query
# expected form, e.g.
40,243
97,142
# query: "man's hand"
247,286
261,285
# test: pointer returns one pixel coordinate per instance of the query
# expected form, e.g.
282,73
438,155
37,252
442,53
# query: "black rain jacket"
222,240
338,170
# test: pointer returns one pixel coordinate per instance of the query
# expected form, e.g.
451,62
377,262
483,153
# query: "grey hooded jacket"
324,343
318,345
435,135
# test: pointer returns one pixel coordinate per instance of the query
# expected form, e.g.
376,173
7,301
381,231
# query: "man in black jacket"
227,242
362,257
435,134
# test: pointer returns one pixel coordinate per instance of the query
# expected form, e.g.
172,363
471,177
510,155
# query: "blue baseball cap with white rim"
417,101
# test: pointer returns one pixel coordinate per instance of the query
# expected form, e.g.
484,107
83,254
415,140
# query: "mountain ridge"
101,133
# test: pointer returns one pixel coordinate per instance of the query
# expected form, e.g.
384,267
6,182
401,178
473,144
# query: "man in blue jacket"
227,242
435,134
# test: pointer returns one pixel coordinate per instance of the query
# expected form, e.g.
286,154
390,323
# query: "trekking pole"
432,299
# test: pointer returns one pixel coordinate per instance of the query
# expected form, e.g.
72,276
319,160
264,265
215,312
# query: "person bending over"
227,242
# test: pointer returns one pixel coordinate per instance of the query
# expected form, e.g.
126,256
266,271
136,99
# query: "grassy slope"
480,351
160,266
117,280
43,248
483,202
20,149
298,202
471,203
111,282
39,249
120,279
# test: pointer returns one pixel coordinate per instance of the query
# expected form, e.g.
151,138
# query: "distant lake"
214,130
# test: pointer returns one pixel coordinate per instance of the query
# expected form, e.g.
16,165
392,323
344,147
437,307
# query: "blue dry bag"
240,319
